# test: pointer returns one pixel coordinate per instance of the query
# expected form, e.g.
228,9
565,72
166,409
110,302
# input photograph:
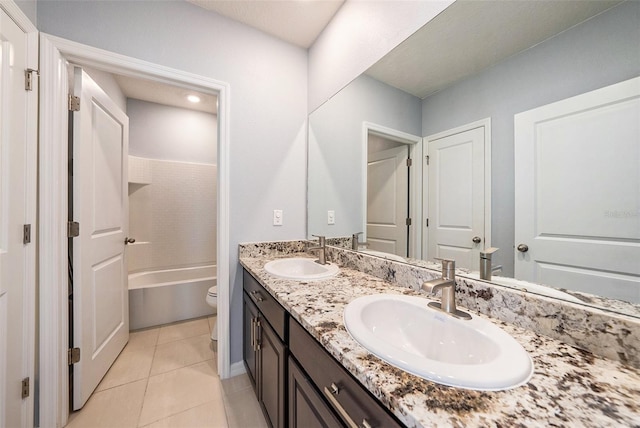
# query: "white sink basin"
472,354
301,269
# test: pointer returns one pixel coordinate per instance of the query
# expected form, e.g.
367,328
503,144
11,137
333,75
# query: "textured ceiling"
295,21
160,93
470,36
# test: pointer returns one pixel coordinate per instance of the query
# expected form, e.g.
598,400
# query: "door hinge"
73,356
73,229
28,78
74,103
26,389
409,162
408,221
426,158
26,234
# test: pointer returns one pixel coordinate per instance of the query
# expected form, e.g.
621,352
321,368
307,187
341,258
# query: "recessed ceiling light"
193,98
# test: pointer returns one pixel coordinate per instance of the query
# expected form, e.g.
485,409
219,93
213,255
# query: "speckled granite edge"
569,387
602,333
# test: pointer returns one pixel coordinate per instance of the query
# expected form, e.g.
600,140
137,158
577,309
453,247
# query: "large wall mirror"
474,100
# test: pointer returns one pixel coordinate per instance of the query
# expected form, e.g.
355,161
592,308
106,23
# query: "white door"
577,201
456,197
388,200
100,205
17,257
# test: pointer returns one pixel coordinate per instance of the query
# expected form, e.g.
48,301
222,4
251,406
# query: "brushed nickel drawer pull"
257,333
256,297
330,394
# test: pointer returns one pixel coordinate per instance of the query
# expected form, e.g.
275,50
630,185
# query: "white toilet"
212,300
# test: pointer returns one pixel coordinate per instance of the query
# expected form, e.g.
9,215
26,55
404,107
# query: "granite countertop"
569,387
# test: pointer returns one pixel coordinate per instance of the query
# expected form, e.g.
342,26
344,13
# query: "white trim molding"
55,52
18,16
415,180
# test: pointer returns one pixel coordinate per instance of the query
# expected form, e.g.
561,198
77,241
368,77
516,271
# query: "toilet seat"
213,291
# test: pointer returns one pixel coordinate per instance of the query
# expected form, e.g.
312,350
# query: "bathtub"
165,296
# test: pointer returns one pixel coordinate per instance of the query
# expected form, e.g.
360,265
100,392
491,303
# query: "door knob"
477,239
523,248
129,241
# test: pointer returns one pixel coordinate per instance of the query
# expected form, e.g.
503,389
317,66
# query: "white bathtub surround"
165,296
173,219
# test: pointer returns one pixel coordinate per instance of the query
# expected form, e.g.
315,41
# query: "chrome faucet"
321,248
485,263
448,286
355,243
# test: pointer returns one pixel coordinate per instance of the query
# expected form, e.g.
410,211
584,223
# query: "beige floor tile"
143,338
132,364
115,407
179,390
236,384
212,321
243,410
210,415
183,330
181,353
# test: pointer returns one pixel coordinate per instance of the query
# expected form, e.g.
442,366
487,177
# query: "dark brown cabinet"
307,409
297,382
265,353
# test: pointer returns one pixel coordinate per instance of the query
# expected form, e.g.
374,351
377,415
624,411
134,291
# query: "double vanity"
321,351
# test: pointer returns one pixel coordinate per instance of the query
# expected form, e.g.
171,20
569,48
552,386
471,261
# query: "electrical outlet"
277,217
331,217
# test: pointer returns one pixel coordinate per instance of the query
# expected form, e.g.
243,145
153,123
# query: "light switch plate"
331,217
277,217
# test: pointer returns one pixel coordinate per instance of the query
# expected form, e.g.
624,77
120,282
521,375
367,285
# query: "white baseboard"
237,369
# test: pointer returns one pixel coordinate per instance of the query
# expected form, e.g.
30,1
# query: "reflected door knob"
129,241
477,239
523,248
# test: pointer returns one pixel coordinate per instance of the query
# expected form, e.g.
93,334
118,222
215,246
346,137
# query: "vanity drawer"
270,308
352,400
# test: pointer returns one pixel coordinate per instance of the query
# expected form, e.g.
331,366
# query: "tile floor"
166,377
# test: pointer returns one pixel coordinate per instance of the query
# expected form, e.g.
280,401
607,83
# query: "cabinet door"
307,409
272,374
250,316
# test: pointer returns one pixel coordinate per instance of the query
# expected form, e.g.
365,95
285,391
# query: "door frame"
415,178
486,123
30,310
55,51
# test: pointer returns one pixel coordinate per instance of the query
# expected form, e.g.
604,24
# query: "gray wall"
268,99
337,152
159,131
597,53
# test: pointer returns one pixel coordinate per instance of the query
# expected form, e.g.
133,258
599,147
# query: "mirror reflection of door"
456,196
387,195
577,195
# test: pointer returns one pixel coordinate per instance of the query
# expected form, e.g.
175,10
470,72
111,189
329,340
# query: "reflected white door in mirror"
577,168
458,184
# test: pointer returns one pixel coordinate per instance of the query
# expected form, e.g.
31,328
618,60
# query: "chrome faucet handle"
355,241
448,268
486,254
321,239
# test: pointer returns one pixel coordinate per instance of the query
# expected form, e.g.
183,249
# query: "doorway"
55,53
391,196
457,194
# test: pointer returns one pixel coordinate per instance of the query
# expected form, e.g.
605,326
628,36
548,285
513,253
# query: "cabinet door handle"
330,394
253,333
257,334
